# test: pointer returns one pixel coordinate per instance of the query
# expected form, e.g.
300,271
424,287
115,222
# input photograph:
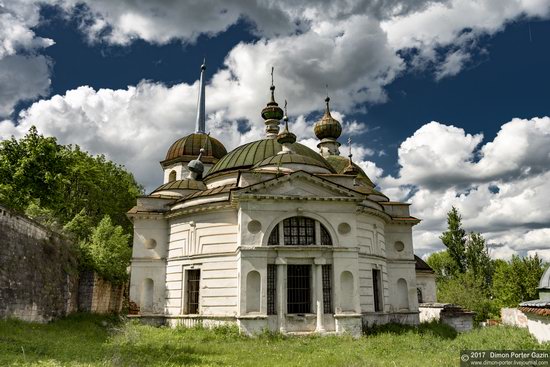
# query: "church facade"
272,235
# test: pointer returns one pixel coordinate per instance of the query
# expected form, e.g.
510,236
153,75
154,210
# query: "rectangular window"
299,289
327,289
377,289
193,286
271,289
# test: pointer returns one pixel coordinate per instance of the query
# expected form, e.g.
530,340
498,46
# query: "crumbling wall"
98,295
38,270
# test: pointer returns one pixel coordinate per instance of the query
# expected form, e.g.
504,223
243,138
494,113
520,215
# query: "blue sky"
429,91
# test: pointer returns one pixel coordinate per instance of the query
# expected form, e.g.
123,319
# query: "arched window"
147,287
419,294
299,231
402,294
172,176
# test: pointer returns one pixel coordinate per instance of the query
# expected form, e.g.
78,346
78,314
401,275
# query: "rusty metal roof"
420,264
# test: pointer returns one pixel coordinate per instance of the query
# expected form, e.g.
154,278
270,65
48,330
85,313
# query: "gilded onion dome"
328,127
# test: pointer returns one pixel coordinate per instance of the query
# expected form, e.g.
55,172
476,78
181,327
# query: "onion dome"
248,155
286,137
328,127
189,147
272,113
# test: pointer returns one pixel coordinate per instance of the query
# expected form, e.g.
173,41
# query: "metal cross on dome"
349,143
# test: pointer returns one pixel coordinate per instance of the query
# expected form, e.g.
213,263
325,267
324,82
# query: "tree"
442,263
517,280
66,188
108,250
454,238
477,258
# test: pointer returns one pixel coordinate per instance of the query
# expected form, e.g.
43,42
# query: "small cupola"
328,130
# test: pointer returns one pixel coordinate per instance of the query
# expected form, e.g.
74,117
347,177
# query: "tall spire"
272,113
201,118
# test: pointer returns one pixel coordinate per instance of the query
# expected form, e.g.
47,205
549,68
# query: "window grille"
419,294
274,237
327,288
299,289
325,237
271,289
376,289
299,231
193,284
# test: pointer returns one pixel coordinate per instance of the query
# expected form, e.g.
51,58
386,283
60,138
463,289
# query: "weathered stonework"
38,276
39,280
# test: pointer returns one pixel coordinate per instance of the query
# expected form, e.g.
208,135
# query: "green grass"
91,340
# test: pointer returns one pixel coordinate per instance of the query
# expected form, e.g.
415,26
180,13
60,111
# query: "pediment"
300,185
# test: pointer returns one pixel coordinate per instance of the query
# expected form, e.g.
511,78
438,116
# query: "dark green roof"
249,154
289,158
340,163
181,185
188,148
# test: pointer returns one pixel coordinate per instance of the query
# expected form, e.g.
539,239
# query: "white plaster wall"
402,270
426,283
539,327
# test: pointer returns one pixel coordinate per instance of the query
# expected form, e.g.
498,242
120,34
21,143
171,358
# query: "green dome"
292,158
253,153
340,163
188,148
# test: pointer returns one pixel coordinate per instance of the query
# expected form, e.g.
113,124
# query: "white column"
281,293
319,262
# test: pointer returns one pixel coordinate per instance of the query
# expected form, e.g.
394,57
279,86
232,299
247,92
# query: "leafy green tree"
66,188
478,260
442,263
469,292
517,280
454,238
108,250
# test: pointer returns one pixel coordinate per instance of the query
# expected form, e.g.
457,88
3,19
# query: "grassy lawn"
89,340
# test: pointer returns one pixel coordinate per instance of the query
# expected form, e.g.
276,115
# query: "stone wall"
38,270
39,278
452,315
513,317
98,295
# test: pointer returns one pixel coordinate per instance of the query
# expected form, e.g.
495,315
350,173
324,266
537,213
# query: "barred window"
327,288
325,237
271,289
299,231
193,283
299,289
274,237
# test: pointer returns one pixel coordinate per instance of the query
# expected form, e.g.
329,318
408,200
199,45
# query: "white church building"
272,236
